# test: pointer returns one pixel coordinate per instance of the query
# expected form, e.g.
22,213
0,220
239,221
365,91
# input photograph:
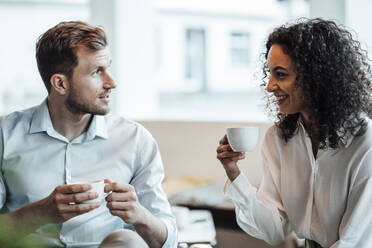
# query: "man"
48,149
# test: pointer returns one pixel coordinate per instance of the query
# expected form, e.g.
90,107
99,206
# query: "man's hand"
123,202
65,202
229,159
61,205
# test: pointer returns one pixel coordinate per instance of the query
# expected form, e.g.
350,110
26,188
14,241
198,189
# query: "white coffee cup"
98,187
200,246
243,139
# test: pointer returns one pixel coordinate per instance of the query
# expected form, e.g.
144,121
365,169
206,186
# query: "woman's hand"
229,159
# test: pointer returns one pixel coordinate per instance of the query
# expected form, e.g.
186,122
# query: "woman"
317,158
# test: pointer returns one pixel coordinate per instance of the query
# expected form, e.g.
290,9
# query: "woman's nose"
272,85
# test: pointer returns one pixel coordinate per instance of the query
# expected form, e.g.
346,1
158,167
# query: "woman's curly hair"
335,76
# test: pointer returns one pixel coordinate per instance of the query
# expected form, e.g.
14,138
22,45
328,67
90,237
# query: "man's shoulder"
115,122
20,117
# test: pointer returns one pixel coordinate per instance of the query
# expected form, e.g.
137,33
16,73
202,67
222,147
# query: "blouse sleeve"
260,212
355,227
2,186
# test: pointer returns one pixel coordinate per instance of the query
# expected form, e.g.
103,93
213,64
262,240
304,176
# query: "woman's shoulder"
272,137
274,140
369,129
360,150
365,138
272,132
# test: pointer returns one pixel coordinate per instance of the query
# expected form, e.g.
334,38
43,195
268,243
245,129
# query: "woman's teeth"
279,98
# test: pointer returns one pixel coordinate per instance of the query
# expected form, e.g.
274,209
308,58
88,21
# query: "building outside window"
240,45
195,60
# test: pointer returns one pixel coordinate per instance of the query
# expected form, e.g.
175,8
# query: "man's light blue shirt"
35,159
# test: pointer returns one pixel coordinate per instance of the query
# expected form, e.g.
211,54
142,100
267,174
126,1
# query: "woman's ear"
60,83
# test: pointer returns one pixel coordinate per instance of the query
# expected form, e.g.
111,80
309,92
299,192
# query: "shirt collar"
41,122
97,127
346,140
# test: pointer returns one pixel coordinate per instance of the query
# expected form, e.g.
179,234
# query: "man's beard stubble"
76,106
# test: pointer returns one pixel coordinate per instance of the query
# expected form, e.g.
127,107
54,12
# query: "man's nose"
109,82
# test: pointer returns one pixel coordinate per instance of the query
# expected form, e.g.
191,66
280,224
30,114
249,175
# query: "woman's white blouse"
327,199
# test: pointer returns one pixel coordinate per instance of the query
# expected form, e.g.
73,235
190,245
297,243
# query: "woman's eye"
280,74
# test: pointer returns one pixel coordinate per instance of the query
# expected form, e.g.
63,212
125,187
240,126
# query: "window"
189,60
22,23
195,59
240,48
158,51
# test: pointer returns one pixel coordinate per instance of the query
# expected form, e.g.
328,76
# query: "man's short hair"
56,49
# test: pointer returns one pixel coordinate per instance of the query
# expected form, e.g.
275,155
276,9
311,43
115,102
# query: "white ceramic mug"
200,246
243,139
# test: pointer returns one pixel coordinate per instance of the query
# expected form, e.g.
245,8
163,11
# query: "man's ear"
60,83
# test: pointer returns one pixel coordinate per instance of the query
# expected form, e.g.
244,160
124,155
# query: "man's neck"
66,123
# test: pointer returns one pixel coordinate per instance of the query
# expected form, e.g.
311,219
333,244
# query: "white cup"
99,187
243,139
200,246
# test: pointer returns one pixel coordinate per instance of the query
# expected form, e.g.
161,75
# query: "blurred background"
172,60
186,70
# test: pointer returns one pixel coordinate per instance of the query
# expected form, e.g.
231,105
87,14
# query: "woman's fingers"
223,140
232,155
222,148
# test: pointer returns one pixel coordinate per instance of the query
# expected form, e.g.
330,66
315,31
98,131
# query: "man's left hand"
123,202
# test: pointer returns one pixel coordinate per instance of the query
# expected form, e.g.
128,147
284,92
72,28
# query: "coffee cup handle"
105,194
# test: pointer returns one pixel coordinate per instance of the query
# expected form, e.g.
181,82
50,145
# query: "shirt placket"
64,238
312,180
68,150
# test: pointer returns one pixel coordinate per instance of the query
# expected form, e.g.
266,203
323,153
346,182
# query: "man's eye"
98,71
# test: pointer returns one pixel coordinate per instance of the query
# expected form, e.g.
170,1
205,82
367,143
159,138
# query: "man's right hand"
229,159
66,202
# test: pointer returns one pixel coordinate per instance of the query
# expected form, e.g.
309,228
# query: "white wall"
355,14
358,17
189,148
330,9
